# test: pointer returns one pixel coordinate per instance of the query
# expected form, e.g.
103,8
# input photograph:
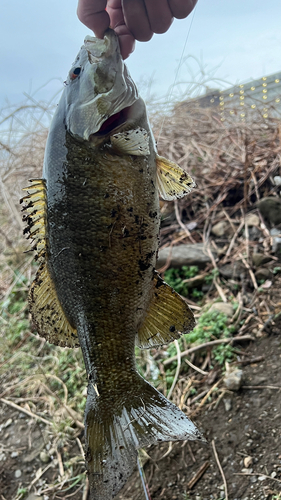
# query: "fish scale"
94,220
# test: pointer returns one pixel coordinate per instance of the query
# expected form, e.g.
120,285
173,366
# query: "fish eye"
74,73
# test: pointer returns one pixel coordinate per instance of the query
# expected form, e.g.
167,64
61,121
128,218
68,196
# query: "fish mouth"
113,122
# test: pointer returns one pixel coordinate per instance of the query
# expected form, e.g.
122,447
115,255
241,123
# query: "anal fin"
167,319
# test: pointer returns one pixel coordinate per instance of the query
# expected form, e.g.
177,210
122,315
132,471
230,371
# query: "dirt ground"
245,427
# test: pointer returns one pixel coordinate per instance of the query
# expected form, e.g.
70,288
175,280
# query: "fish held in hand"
94,218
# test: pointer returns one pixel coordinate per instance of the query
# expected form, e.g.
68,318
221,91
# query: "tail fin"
115,428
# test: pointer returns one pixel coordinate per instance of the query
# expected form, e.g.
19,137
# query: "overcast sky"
39,40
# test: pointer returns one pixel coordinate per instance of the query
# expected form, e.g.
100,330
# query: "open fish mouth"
114,122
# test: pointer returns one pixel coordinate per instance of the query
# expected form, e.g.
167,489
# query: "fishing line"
177,71
142,476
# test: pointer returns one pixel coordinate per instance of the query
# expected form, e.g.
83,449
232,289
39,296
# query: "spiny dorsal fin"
45,307
173,182
132,142
167,319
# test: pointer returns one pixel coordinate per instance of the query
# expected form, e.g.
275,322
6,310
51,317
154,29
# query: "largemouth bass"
94,218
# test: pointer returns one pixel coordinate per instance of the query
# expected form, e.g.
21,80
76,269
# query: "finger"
182,8
115,12
92,13
159,15
126,40
136,19
117,22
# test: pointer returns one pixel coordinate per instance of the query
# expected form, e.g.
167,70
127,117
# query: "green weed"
175,277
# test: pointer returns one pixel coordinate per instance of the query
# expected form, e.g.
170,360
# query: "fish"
94,222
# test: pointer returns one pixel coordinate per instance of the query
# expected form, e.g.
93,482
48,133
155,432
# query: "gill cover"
98,86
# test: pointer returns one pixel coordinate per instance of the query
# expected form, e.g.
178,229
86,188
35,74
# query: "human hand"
132,19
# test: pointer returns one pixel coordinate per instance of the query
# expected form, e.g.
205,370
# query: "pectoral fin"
173,182
132,142
167,319
45,308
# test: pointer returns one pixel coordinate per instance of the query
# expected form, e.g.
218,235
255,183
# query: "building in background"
258,98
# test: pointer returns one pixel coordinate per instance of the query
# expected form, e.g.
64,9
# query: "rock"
227,404
263,273
184,255
277,180
223,307
233,271
252,220
44,457
33,496
254,233
276,240
258,380
270,208
7,423
259,259
233,380
14,454
248,461
18,473
222,228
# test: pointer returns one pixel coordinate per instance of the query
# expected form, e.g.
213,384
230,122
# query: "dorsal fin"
45,308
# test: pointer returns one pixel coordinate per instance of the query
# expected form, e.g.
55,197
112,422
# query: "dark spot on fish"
143,265
143,237
137,282
136,219
88,455
130,209
113,212
172,328
106,195
141,170
159,282
152,214
125,232
149,255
